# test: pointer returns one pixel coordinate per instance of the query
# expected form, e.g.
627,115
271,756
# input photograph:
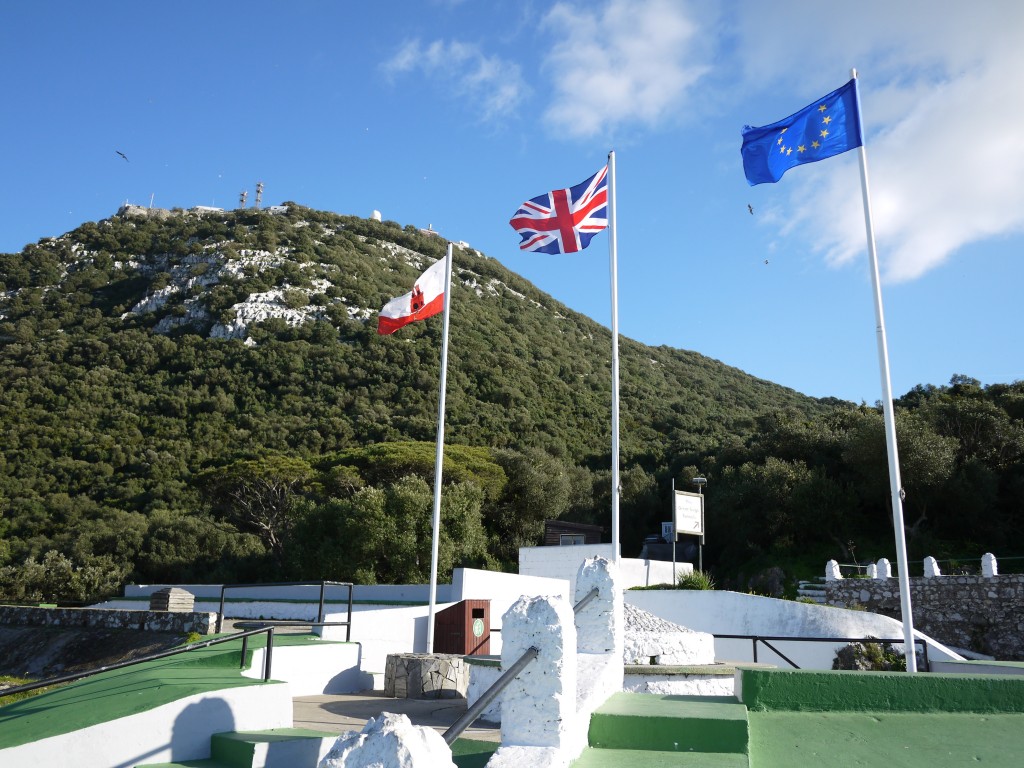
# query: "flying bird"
750,208
122,154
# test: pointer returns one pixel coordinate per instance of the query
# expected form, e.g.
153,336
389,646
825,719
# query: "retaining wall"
147,621
979,613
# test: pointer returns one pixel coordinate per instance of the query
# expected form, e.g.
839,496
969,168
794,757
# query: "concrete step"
616,758
643,721
274,748
202,763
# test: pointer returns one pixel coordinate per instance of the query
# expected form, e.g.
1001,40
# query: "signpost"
688,517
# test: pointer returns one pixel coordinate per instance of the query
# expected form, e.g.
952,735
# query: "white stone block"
538,708
931,568
390,741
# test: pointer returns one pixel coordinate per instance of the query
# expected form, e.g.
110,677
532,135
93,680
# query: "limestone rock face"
389,741
650,636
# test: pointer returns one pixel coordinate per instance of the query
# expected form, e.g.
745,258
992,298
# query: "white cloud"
622,62
496,85
942,113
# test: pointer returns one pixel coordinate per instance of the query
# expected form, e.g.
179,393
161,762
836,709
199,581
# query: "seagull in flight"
749,206
122,154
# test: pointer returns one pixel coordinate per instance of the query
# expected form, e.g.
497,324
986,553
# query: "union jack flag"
565,220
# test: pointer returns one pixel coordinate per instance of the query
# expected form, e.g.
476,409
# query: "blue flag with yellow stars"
827,127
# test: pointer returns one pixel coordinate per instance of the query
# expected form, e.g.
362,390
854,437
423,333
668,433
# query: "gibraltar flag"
425,300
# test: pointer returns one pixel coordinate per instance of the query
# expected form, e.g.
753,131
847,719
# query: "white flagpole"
895,485
613,257
439,460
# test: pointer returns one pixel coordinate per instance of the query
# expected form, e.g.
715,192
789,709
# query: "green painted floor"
893,740
122,692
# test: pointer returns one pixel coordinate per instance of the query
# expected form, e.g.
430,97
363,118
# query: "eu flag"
825,128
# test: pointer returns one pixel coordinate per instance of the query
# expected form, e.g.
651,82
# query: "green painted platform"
122,692
643,721
828,691
889,739
466,753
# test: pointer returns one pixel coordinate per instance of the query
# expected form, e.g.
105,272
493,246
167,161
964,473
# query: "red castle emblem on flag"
416,302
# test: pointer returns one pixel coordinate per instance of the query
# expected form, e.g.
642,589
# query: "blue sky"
451,114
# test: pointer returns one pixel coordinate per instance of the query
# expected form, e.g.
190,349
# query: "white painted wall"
502,589
564,562
416,593
313,668
731,613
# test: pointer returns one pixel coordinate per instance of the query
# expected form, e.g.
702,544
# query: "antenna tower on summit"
259,193
242,198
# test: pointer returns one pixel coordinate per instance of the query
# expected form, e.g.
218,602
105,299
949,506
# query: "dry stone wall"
146,621
978,613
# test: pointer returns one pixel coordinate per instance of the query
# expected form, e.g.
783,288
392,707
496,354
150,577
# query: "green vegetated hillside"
189,396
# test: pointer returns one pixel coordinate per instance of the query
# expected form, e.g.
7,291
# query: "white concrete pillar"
872,571
538,709
600,636
832,571
884,569
931,567
599,624
989,567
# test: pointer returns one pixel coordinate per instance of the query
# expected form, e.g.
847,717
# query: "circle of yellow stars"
826,120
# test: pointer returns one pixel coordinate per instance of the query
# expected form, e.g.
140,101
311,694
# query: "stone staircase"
661,731
275,748
813,590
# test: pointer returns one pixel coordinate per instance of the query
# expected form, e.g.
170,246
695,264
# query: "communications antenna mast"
259,193
242,198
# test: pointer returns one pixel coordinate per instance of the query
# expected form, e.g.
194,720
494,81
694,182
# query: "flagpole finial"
853,73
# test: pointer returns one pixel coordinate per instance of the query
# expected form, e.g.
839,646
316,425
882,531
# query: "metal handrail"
503,681
320,612
585,600
755,639
489,695
244,636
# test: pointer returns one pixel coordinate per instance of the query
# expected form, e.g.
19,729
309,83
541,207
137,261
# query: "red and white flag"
426,299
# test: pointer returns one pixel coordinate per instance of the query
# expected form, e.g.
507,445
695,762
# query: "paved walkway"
349,712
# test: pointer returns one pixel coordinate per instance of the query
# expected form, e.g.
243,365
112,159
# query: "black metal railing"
503,681
768,639
244,636
320,611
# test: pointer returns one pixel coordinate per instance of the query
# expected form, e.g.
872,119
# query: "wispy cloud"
495,85
939,95
622,62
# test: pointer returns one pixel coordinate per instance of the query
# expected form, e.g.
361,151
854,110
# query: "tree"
259,495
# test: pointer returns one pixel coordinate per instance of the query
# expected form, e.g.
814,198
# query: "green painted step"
275,747
616,758
643,721
290,747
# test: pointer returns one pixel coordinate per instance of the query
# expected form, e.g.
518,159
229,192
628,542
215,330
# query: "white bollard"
832,571
989,567
599,624
931,568
600,636
872,571
884,569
